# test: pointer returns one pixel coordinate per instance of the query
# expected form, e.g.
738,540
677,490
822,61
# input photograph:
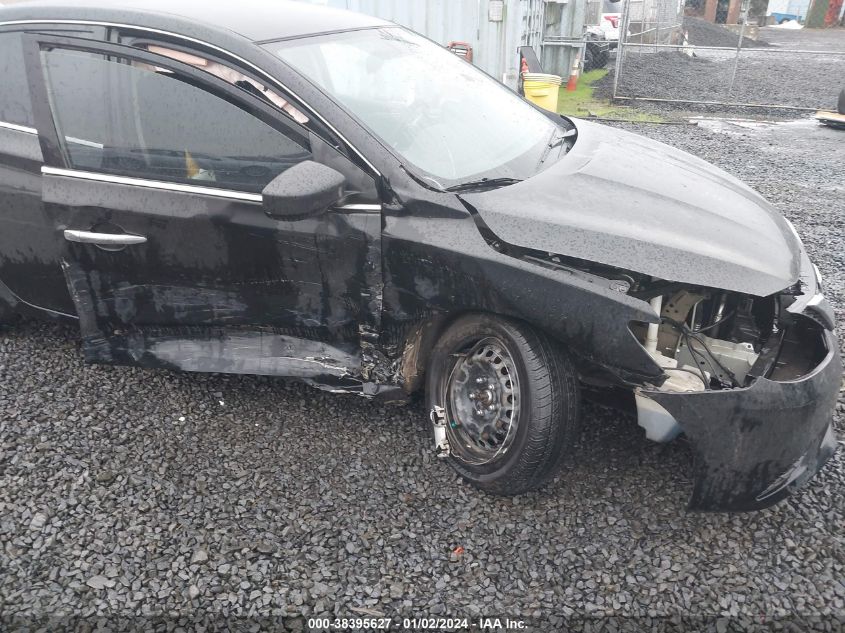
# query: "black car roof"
257,20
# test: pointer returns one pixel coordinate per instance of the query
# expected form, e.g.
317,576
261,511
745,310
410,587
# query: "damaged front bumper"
757,444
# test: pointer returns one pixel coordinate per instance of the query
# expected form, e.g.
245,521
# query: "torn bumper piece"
756,445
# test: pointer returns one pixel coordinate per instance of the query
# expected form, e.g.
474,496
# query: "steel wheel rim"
482,402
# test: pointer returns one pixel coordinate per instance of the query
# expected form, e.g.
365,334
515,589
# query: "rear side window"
15,105
128,118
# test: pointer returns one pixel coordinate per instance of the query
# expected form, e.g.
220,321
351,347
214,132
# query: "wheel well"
420,341
416,349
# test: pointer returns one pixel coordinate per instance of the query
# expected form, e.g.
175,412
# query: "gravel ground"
700,32
158,497
763,75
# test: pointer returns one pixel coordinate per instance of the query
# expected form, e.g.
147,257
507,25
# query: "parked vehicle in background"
288,190
601,33
609,25
780,11
596,49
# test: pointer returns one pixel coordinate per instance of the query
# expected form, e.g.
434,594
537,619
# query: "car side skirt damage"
259,308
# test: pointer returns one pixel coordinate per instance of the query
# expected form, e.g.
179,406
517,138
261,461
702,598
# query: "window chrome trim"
359,207
186,38
153,184
18,128
83,142
179,188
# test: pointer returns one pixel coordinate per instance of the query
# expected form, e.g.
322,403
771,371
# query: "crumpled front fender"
755,445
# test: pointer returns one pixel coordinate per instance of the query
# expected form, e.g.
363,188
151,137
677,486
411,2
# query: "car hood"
622,200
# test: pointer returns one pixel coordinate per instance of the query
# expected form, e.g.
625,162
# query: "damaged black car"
289,190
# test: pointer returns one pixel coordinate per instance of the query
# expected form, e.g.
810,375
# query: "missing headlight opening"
712,340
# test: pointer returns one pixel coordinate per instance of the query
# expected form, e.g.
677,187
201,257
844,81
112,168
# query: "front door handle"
103,239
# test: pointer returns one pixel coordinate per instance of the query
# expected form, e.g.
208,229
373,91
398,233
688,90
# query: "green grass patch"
582,103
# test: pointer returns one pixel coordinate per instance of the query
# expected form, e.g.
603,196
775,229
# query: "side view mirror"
304,190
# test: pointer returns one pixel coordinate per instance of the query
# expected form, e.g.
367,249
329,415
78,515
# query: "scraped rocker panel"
206,348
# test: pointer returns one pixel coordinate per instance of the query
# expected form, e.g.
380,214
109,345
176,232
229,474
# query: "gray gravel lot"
763,75
131,493
700,32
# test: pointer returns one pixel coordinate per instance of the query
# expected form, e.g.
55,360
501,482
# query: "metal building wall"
563,36
494,43
440,20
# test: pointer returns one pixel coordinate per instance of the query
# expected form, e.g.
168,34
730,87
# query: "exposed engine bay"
749,379
716,340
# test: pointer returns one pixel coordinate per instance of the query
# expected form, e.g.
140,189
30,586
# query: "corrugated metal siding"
532,23
440,20
494,44
492,40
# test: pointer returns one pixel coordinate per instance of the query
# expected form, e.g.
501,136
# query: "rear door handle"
103,239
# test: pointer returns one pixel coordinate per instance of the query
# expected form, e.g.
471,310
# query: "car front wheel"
510,400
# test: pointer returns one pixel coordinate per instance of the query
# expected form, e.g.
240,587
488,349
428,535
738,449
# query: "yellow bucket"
542,89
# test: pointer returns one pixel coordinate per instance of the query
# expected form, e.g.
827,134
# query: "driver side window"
128,118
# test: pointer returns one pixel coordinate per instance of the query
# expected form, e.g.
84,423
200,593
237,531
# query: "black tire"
601,59
594,57
549,402
589,59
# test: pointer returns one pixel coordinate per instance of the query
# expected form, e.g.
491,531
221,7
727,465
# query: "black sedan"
289,190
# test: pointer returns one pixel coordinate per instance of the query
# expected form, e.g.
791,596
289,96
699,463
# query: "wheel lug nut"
480,381
472,396
492,407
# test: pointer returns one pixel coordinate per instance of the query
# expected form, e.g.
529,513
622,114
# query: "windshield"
450,123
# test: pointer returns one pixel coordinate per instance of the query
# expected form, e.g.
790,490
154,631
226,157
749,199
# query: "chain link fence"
672,52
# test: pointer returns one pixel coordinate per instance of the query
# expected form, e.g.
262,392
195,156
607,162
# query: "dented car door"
153,175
